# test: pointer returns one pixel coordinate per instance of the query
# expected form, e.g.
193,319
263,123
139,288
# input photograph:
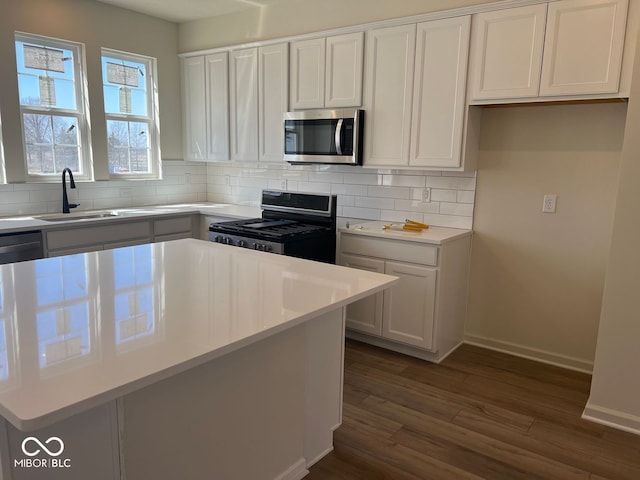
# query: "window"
55,126
130,108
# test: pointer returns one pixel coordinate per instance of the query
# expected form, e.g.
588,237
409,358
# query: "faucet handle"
74,205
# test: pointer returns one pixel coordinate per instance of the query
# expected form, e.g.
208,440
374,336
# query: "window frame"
81,113
152,118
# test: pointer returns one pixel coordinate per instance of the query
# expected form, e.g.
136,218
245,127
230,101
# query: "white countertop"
36,222
432,235
85,329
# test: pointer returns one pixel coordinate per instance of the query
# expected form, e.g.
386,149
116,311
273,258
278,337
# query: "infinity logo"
42,446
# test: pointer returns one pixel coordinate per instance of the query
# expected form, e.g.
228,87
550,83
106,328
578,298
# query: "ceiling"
186,10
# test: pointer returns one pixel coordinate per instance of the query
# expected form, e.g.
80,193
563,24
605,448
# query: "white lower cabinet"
68,240
424,313
409,306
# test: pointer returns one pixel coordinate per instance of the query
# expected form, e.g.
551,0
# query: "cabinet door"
307,73
388,86
506,49
217,87
583,47
344,70
409,305
243,92
365,315
194,108
273,94
442,49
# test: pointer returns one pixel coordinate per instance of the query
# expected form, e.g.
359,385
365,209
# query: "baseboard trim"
543,356
612,418
297,471
434,357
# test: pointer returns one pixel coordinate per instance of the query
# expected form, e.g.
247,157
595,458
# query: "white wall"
537,278
615,389
294,17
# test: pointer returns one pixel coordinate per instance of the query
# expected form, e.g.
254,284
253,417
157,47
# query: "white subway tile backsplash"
326,177
451,182
389,192
313,187
451,221
349,189
364,213
372,202
438,195
465,196
365,194
16,197
362,178
416,206
403,180
400,216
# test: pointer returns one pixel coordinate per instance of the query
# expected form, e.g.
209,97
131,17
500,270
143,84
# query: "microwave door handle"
338,137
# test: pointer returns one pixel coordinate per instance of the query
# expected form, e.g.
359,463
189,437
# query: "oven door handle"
338,137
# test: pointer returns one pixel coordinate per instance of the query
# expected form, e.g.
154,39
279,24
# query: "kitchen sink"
65,217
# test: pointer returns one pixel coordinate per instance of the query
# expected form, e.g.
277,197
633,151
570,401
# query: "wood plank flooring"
478,415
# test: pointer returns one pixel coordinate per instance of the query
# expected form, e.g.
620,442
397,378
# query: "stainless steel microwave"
324,136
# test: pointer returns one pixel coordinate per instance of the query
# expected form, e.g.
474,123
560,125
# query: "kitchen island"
181,359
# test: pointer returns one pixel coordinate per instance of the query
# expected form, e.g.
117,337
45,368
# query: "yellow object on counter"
409,225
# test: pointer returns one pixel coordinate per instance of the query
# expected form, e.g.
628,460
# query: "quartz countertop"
85,329
39,222
432,235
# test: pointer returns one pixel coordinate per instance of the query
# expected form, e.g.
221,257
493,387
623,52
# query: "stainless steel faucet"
66,206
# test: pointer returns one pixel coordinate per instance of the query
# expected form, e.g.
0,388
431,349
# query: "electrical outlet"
549,203
283,184
426,195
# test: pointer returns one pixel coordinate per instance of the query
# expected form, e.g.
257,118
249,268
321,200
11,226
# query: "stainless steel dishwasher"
20,246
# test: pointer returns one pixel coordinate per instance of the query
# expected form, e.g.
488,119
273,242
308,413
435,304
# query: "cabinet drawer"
169,226
113,232
411,252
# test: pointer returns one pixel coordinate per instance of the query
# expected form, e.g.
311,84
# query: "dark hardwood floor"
479,414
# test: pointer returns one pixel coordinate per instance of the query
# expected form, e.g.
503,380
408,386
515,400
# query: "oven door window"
318,137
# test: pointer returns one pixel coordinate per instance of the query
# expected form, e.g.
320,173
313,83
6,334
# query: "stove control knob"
268,248
228,241
242,243
218,239
261,247
254,245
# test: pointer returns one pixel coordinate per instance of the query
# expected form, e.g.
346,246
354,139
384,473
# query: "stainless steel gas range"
296,224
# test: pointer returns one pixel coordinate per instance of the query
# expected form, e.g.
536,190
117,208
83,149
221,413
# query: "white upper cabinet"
205,107
414,94
442,50
388,87
194,108
258,91
327,72
506,52
565,48
583,47
243,94
273,94
217,106
307,73
343,75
